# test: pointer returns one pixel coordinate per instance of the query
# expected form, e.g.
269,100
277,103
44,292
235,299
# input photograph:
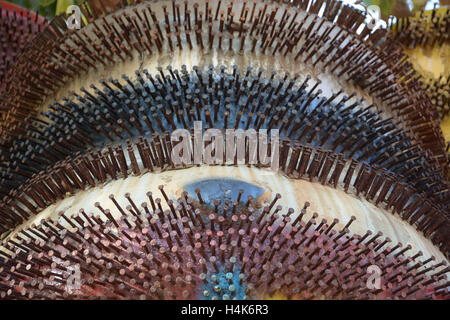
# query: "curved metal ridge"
175,99
365,59
296,161
183,251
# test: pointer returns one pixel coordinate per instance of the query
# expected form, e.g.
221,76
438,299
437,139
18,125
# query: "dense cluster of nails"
390,153
182,252
428,29
241,99
17,28
297,161
378,66
439,91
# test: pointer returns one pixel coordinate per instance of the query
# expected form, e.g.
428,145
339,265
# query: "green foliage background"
53,7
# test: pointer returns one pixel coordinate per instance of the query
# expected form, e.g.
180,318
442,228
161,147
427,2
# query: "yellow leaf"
62,5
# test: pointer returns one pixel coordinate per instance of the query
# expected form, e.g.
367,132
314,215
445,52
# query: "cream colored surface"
445,126
431,62
329,203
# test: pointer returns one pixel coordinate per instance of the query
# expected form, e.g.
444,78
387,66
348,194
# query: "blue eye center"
224,189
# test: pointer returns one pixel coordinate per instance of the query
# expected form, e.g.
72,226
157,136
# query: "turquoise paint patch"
223,285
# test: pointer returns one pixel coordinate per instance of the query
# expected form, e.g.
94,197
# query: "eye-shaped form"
107,195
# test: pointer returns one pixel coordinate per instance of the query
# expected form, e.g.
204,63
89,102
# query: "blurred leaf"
46,3
62,5
24,3
386,6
